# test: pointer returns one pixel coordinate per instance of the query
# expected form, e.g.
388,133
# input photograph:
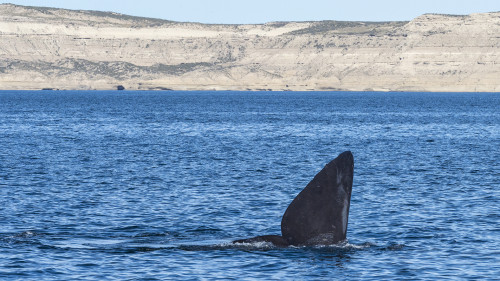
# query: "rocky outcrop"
65,49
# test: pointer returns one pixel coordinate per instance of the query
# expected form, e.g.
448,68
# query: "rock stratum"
67,49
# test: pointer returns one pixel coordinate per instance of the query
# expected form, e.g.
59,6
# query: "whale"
319,214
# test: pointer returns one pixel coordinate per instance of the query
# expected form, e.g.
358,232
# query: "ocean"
124,185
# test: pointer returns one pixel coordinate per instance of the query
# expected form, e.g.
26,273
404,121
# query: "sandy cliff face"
54,48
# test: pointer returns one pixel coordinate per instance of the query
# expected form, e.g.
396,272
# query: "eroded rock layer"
65,49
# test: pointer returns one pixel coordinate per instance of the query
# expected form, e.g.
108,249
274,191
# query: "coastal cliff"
67,49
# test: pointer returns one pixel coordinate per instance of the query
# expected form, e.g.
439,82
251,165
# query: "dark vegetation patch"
349,27
114,69
136,21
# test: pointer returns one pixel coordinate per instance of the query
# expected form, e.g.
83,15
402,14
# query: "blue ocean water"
154,185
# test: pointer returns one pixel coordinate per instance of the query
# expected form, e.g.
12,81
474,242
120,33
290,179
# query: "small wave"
203,230
395,247
346,246
22,236
89,243
139,249
152,234
262,245
26,234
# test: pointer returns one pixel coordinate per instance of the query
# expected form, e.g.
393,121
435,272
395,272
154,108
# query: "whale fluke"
320,212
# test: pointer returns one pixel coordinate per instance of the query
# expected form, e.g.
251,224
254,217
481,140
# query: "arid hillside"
65,49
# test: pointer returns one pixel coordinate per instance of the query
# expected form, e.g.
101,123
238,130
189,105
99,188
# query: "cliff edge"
67,49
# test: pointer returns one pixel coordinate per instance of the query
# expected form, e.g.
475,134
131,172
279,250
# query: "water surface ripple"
154,185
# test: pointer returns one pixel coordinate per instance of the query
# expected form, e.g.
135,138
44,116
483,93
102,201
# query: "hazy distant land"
65,49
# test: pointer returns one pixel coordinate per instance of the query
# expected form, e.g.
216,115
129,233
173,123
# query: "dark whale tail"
320,212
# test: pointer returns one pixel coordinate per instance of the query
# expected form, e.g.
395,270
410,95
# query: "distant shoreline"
48,48
238,91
